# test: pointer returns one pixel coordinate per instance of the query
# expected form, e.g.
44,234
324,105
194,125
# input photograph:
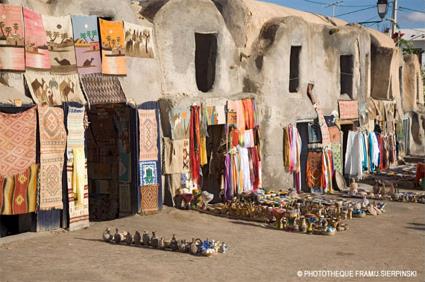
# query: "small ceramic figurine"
303,225
118,237
128,238
154,241
161,244
194,246
181,246
173,243
223,248
107,236
137,238
146,239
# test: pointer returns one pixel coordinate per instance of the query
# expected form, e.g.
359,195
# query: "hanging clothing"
373,151
249,113
327,170
354,155
314,169
195,141
79,175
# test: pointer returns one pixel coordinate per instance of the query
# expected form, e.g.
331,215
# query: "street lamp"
382,6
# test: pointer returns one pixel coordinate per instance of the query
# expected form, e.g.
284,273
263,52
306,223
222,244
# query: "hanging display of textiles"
17,142
60,44
87,46
348,109
334,135
102,89
138,41
327,170
18,193
113,52
216,111
54,89
77,178
195,143
52,150
354,155
180,121
337,157
148,134
373,151
314,170
291,153
149,196
12,44
12,89
36,50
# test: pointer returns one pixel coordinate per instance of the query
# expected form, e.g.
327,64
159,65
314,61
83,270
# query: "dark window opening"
294,69
346,79
205,60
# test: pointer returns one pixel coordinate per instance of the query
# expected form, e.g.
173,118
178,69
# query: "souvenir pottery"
128,238
173,243
146,239
161,244
359,213
181,246
187,200
107,236
154,241
206,199
330,231
137,238
350,213
223,248
195,246
118,237
303,225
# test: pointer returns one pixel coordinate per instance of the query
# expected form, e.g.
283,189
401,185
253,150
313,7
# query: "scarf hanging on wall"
87,46
138,41
52,149
148,134
327,170
18,193
292,152
195,140
36,50
314,169
248,107
113,51
17,142
60,43
12,50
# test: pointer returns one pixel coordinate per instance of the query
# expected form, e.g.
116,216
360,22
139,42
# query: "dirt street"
393,241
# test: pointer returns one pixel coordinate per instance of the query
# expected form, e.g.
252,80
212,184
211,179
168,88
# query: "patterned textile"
348,109
52,149
60,43
148,133
113,52
248,107
238,108
337,157
149,199
18,193
17,142
87,46
180,120
12,51
138,41
78,203
314,169
53,89
173,155
334,135
148,173
102,89
36,51
12,89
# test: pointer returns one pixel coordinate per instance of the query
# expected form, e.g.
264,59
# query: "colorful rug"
77,182
113,51
18,193
17,142
54,89
36,51
52,149
87,46
138,41
314,169
60,44
12,50
149,199
148,134
148,173
102,89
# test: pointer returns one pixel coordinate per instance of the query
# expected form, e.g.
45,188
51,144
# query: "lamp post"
382,6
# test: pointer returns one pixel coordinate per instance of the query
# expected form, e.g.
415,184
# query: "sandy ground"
393,241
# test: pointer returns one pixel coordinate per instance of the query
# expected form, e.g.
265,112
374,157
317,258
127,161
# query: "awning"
102,89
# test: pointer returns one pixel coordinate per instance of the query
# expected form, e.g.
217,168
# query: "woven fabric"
77,182
334,135
18,193
314,169
87,46
148,173
102,89
180,120
60,43
149,199
36,51
337,157
52,149
113,51
17,142
53,89
148,133
138,41
12,51
12,90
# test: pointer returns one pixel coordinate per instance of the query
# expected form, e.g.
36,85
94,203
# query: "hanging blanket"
17,142
248,107
12,89
334,135
60,43
53,89
77,170
87,46
148,173
149,199
238,108
52,149
36,50
113,52
337,157
102,89
354,155
348,109
314,169
12,50
18,193
174,152
180,120
138,41
148,132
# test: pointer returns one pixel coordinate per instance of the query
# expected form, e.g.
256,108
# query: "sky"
411,12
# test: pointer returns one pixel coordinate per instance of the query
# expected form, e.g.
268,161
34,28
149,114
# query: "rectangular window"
205,60
346,78
294,69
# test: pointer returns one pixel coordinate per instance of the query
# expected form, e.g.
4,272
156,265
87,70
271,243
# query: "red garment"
420,171
253,152
195,141
235,137
248,107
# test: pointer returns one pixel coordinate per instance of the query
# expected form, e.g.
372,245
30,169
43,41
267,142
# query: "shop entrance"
109,162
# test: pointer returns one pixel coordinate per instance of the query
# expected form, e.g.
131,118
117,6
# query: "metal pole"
394,17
